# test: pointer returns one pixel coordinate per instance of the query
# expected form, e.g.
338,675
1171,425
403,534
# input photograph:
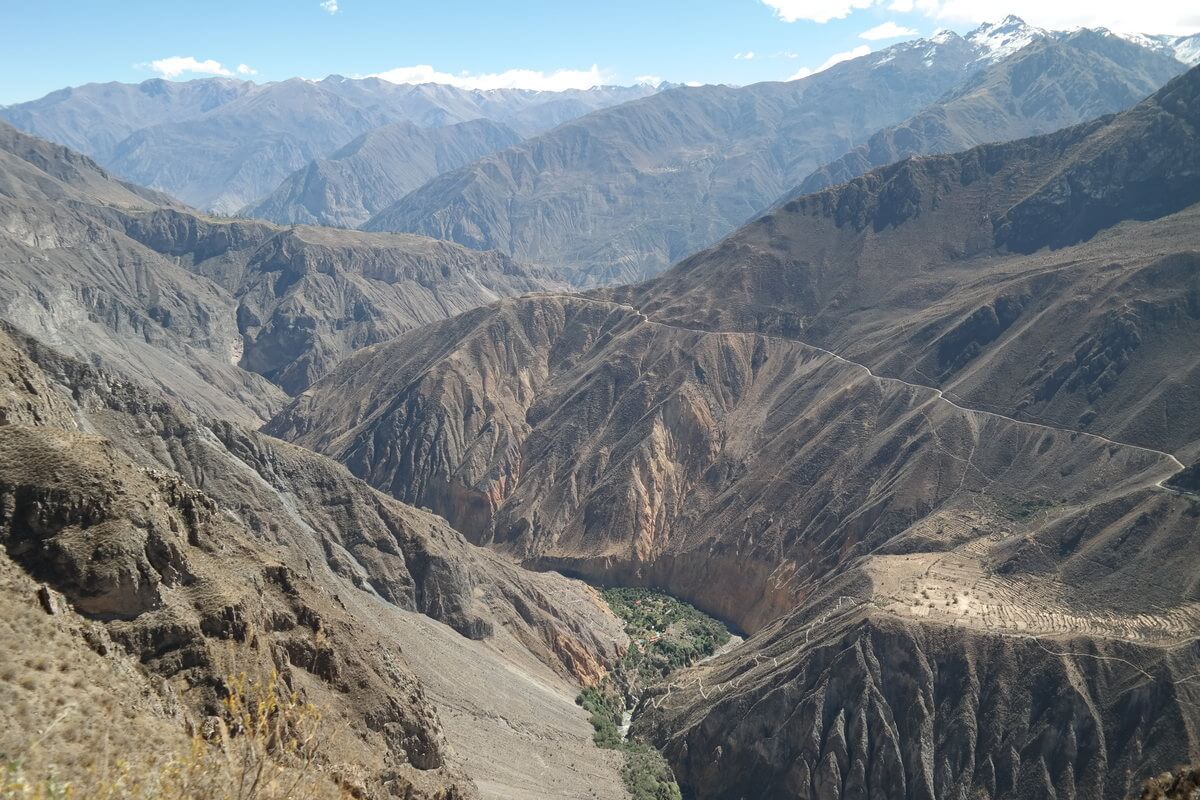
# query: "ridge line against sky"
536,44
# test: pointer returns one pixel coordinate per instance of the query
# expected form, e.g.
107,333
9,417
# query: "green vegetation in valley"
606,706
646,774
665,635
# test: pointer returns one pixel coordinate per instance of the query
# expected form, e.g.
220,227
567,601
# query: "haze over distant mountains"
220,144
617,182
621,194
376,169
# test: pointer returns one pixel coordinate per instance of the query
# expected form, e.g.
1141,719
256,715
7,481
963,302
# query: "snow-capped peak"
1187,49
998,40
1182,48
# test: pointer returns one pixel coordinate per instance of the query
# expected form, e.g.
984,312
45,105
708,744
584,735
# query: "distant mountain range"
1052,82
376,169
622,193
221,144
616,183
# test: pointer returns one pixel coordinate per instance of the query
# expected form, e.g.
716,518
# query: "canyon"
893,370
921,422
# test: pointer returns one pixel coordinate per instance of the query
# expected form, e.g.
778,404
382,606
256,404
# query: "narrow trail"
938,394
845,605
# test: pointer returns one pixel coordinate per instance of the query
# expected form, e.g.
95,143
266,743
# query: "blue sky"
49,44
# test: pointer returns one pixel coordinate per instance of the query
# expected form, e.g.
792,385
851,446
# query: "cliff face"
202,550
879,707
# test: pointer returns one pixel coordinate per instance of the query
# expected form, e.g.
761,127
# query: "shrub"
265,748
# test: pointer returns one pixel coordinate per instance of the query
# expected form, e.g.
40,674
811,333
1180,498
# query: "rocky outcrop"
181,591
1183,783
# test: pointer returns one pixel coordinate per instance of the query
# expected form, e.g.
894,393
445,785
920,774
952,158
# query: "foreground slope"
203,549
205,308
917,434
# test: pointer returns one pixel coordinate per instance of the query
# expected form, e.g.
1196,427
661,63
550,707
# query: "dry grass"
265,747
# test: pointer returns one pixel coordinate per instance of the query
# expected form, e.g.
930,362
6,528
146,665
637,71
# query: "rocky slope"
204,308
376,169
911,433
202,549
621,194
221,144
1051,84
868,705
73,278
308,296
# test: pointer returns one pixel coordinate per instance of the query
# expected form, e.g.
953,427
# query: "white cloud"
330,5
888,30
1148,16
174,66
815,10
648,80
746,56
836,58
243,69
693,84
555,81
